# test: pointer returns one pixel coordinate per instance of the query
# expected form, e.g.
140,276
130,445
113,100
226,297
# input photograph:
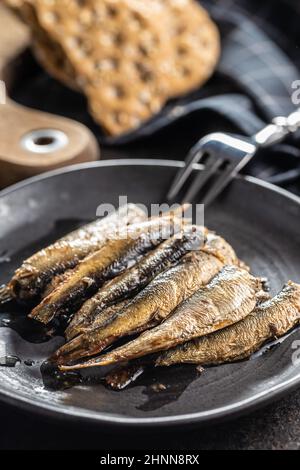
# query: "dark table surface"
276,427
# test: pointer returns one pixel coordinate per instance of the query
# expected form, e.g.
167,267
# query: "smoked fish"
270,320
151,306
36,272
136,278
229,297
114,257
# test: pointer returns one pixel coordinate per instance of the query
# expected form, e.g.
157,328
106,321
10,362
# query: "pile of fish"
171,292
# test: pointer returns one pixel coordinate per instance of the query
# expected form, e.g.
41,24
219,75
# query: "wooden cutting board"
31,141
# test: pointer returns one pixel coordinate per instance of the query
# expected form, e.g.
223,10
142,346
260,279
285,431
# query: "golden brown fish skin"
214,245
55,282
79,344
208,265
104,264
221,249
36,272
228,298
136,278
270,320
149,308
108,313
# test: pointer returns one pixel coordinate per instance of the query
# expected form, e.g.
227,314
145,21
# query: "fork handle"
280,128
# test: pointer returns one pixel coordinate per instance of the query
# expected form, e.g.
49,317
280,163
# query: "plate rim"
217,414
139,162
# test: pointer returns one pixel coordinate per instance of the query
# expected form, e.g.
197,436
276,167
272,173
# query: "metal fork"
225,156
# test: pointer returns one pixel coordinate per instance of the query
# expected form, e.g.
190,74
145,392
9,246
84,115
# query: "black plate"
261,221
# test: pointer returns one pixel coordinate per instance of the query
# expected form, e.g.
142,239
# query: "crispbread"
120,54
196,44
49,54
128,56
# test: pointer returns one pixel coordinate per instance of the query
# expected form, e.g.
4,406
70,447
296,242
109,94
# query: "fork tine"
224,179
194,156
212,165
219,184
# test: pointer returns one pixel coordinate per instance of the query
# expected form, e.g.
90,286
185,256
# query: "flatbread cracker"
48,53
128,56
119,52
196,42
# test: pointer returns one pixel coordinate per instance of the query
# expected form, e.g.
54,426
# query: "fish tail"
75,349
106,360
79,348
42,313
83,365
95,362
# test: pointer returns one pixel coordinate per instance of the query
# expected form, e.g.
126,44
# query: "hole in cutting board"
44,141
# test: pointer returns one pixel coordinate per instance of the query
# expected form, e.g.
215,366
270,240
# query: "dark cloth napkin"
252,85
261,55
254,57
253,64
